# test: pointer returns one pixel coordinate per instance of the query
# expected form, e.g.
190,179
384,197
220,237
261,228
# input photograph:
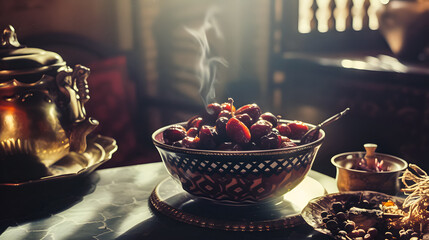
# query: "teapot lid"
21,63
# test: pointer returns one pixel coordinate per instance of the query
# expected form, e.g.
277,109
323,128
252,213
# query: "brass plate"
312,212
284,212
99,150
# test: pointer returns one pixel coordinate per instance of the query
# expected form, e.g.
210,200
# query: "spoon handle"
333,118
310,134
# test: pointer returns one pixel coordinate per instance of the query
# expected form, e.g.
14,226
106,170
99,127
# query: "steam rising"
207,65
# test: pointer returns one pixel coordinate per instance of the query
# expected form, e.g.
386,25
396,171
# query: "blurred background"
302,59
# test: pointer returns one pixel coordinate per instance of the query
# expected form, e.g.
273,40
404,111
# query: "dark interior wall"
389,109
172,79
96,34
95,19
312,81
154,32
163,52
151,35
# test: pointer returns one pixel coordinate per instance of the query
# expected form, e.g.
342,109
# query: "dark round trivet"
171,200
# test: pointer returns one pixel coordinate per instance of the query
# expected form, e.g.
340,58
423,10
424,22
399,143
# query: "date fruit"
222,127
173,134
238,131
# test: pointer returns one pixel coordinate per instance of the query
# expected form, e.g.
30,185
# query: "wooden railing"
325,25
337,15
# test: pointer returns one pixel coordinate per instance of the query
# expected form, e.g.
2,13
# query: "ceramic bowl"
238,176
358,180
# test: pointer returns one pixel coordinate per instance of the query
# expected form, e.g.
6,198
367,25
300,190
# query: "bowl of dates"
238,155
359,171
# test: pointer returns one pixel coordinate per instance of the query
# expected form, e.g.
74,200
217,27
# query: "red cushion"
112,103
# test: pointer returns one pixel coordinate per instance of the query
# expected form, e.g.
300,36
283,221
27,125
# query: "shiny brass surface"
42,114
9,39
100,149
29,123
358,180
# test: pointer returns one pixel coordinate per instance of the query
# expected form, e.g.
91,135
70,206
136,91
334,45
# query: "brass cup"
358,180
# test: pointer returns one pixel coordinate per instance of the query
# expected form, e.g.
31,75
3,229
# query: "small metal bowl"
349,179
238,176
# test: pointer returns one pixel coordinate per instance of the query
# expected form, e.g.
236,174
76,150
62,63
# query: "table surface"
113,204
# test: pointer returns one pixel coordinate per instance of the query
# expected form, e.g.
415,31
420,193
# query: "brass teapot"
42,114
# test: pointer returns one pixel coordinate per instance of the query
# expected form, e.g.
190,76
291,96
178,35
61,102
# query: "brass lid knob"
21,63
370,157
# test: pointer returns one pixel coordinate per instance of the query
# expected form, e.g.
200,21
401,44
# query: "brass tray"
312,212
99,150
70,180
171,200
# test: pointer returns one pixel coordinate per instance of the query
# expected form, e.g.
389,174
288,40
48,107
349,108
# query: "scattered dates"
223,127
359,219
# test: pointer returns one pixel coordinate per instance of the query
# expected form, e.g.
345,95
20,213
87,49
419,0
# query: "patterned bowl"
238,176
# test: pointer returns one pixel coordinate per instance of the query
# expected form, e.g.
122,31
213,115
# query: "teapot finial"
9,38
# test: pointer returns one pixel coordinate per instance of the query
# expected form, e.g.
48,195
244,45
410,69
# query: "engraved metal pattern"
245,176
265,167
239,181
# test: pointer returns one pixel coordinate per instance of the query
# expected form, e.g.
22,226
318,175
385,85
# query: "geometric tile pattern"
264,167
242,179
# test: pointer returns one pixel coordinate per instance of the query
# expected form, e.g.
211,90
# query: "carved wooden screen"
327,25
